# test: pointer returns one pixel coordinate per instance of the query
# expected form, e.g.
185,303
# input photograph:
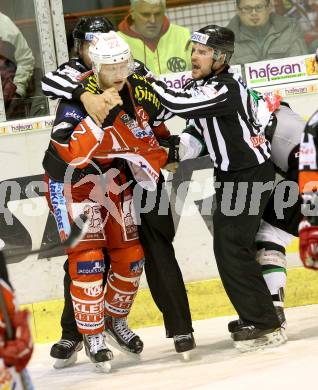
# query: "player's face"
148,19
114,75
201,59
254,13
83,52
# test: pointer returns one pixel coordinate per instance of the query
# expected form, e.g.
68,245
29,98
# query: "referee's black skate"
65,352
121,337
249,338
96,349
183,344
235,325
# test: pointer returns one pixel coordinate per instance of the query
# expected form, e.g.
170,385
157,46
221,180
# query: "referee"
219,106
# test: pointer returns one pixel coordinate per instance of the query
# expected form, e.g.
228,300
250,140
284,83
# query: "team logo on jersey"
95,228
134,127
128,121
258,140
77,115
176,64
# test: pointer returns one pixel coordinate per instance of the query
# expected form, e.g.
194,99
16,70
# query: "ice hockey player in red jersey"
169,293
124,147
16,344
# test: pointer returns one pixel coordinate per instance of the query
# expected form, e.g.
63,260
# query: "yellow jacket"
170,54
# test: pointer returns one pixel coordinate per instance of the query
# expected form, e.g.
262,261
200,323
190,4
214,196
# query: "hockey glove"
308,230
171,145
192,144
16,352
308,244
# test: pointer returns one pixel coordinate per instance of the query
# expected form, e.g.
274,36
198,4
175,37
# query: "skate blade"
186,356
103,367
62,363
271,340
283,332
111,341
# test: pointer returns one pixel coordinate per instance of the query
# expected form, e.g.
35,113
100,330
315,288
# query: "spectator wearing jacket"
261,34
16,60
159,44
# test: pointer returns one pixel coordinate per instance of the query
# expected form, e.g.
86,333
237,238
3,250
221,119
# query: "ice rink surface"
215,364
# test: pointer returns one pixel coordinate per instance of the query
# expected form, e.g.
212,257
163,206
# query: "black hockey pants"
292,214
234,244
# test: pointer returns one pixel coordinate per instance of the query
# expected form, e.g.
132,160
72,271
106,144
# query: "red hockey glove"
308,244
17,352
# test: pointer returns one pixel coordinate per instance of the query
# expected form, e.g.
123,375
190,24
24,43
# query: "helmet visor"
110,75
114,71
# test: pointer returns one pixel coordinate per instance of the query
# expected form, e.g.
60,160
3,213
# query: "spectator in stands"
261,34
159,44
306,12
16,63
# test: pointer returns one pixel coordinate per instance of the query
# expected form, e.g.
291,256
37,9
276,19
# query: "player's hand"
112,97
17,352
308,244
171,146
98,106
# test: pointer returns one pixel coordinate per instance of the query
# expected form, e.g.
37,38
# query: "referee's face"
201,59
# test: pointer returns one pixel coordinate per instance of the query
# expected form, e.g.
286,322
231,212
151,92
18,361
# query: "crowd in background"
264,29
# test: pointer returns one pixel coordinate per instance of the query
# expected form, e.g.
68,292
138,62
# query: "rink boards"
25,222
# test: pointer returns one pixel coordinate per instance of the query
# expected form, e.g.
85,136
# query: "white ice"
215,364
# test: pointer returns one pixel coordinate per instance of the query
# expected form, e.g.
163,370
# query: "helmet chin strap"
212,70
216,57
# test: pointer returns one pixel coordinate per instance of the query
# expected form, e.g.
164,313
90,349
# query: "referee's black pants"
234,245
162,272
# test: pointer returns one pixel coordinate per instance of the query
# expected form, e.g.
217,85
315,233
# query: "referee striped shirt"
63,82
225,113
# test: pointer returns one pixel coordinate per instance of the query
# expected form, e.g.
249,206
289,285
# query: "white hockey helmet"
108,49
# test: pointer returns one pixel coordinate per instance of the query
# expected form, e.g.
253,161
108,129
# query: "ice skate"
250,338
281,316
183,344
65,352
97,351
121,337
235,325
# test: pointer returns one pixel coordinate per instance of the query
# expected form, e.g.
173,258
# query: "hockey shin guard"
123,280
86,271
